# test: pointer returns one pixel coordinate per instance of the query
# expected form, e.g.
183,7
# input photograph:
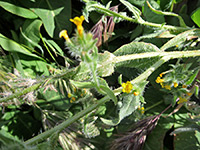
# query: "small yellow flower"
159,80
175,84
168,87
161,74
69,95
141,109
184,86
136,93
182,100
189,94
78,22
127,87
64,34
72,99
162,85
177,45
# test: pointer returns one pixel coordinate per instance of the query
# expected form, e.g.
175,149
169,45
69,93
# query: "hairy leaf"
135,48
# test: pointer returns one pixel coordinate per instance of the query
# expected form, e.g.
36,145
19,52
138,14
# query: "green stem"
140,20
154,105
172,55
25,91
77,116
66,123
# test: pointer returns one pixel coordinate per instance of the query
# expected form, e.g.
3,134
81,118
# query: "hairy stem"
140,20
65,124
172,55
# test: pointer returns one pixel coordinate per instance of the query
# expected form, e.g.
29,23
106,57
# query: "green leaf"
130,104
110,93
30,33
90,130
179,39
17,10
136,48
59,101
137,2
192,78
186,141
155,139
152,16
195,17
182,23
79,84
32,67
107,67
54,15
132,8
54,46
12,46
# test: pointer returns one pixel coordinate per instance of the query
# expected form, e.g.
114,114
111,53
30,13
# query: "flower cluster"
166,85
76,94
128,88
177,81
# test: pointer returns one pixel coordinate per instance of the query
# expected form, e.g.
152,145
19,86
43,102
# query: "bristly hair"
135,138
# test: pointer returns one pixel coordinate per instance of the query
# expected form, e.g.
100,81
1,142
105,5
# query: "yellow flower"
127,87
78,22
159,80
69,95
72,99
189,94
162,85
64,34
136,93
161,74
184,86
182,100
175,84
168,87
141,109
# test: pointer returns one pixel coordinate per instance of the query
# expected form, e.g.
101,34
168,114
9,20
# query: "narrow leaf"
17,10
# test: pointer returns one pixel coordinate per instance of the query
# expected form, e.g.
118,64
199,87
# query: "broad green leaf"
30,33
17,10
89,129
186,141
59,101
182,23
12,46
130,104
32,67
54,15
155,139
106,67
136,48
179,39
195,16
152,16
